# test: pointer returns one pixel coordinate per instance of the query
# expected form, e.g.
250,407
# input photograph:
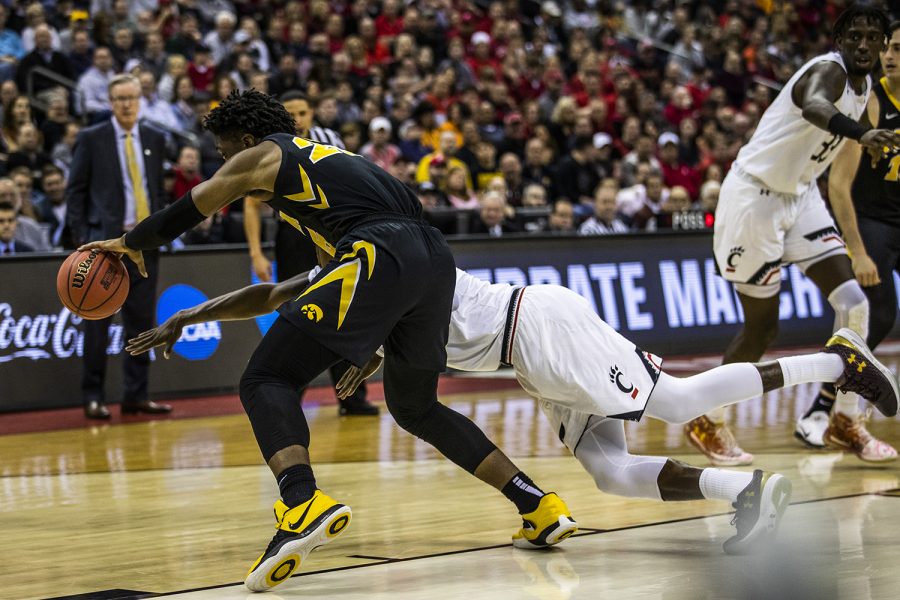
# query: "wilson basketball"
92,284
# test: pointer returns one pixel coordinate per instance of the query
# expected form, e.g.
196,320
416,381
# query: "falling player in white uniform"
589,379
771,214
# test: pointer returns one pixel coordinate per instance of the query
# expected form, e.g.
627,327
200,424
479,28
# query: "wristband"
844,126
165,225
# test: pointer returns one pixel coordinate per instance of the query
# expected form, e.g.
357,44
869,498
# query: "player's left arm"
245,303
840,182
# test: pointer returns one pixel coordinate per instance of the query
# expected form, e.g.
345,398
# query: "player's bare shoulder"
826,78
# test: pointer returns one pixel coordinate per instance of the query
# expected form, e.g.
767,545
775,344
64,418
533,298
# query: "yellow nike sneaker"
300,530
550,523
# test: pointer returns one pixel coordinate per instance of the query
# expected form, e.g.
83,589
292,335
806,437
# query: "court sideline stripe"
586,531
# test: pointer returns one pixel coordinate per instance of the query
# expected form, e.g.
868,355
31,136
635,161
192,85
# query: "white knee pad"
851,307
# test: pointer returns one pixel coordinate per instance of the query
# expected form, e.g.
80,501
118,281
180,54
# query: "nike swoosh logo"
891,115
293,526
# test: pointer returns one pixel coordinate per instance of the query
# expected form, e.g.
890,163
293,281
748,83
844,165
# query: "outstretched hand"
164,335
118,246
355,376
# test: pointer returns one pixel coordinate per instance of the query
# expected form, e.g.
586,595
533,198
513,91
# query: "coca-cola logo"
45,336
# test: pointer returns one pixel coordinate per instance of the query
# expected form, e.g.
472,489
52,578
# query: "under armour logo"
859,366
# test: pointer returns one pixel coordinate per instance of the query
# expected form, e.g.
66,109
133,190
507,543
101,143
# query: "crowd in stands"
573,116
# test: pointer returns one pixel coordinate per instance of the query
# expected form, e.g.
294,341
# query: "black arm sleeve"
843,125
164,226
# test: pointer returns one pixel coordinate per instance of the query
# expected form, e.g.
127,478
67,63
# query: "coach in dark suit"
115,181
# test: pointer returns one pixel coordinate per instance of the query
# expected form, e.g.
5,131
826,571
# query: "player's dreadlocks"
249,112
874,16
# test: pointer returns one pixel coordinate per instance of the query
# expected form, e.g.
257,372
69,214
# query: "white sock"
811,368
717,415
721,484
847,404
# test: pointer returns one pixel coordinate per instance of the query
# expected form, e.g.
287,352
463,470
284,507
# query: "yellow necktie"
142,207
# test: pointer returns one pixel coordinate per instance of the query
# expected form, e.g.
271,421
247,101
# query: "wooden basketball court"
182,507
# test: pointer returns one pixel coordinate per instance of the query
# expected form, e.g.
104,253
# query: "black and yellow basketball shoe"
550,523
300,530
760,507
863,373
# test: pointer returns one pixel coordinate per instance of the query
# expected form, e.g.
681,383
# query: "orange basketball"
92,284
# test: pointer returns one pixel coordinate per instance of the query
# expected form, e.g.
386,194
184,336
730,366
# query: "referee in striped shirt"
295,253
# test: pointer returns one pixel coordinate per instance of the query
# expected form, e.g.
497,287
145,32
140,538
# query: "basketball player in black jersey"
865,198
390,281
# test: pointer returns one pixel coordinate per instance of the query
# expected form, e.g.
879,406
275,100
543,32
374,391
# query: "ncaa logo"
197,342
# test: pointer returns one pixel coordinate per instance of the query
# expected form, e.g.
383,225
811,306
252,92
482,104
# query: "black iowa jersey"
325,191
876,192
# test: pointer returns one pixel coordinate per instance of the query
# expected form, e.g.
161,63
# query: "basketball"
92,284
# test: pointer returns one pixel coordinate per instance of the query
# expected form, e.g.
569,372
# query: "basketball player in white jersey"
588,379
771,214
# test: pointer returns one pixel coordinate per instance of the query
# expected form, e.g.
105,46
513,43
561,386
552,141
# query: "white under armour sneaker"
810,430
760,507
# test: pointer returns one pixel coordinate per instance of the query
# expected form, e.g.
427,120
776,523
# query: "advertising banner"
661,291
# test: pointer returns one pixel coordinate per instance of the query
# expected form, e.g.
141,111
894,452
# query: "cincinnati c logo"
735,253
615,375
312,312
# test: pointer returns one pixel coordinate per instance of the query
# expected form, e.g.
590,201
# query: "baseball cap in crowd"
512,118
78,15
601,140
481,37
380,123
668,138
551,8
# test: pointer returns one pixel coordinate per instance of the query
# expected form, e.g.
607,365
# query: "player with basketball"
771,213
390,282
588,378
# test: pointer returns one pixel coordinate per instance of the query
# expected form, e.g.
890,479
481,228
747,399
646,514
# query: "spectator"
17,113
183,105
43,55
54,126
92,87
535,169
154,57
492,217
459,193
186,171
487,170
562,218
153,108
646,203
287,77
379,149
351,133
81,55
221,41
34,18
9,246
123,48
30,154
709,196
28,231
604,220
202,70
431,196
176,66
11,48
576,177
678,200
511,168
644,152
446,151
79,21
675,172
62,152
52,209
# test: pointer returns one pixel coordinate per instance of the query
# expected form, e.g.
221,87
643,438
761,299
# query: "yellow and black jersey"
325,191
876,190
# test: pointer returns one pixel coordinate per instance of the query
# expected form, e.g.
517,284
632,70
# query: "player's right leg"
411,396
759,497
748,243
285,361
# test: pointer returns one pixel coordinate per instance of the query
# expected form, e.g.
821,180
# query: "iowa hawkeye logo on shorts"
347,273
312,312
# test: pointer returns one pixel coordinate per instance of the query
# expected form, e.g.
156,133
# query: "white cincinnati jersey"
787,152
477,323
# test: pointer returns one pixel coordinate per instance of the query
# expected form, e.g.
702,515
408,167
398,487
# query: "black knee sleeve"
411,397
881,321
285,361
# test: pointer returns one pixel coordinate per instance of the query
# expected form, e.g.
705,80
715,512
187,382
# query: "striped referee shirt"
323,135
